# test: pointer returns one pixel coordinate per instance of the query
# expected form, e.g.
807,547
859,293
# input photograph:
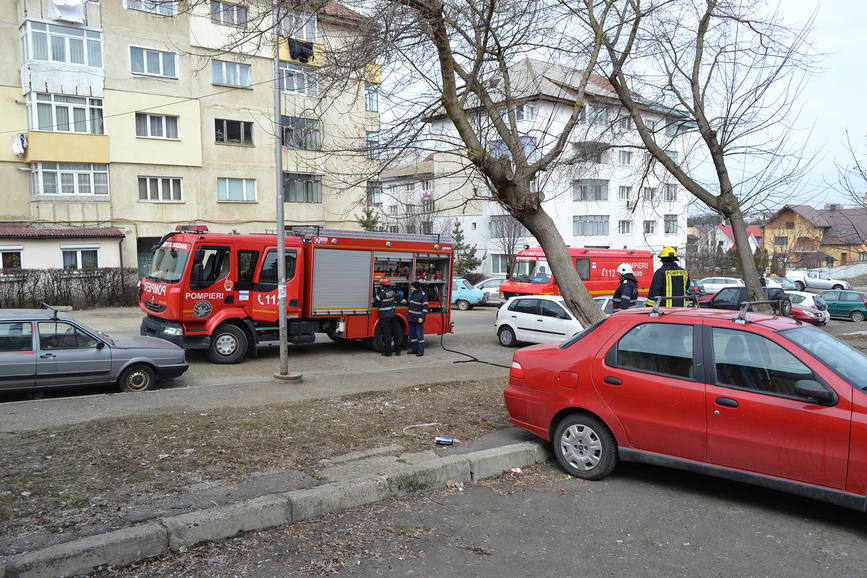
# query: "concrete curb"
125,546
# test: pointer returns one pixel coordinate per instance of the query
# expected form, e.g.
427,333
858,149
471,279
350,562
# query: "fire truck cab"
596,266
219,292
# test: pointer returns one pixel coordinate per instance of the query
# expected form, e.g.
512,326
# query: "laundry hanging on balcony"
19,144
300,50
66,10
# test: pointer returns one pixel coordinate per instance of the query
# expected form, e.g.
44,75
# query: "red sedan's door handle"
613,380
727,401
47,355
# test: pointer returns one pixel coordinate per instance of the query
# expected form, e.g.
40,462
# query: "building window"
298,79
525,112
427,227
65,44
625,123
671,129
649,193
624,227
862,258
670,224
669,192
625,193
411,209
302,188
392,209
70,179
374,194
625,157
393,229
428,206
10,259
162,7
790,225
649,227
590,226
230,73
299,25
301,133
85,257
371,97
162,189
499,264
153,62
781,241
156,126
671,154
233,132
228,14
59,113
371,144
239,190
598,115
590,190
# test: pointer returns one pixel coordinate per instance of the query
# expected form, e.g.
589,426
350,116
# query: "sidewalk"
280,498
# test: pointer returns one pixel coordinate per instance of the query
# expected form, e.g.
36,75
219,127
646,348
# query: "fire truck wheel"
228,344
137,378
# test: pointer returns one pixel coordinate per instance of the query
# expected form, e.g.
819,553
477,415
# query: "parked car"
808,299
696,287
815,280
714,284
535,319
606,302
491,287
781,283
851,304
762,399
43,348
464,295
732,297
809,314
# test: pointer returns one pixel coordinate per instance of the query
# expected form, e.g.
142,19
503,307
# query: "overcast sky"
835,100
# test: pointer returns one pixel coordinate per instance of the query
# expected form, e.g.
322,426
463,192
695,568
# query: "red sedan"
759,398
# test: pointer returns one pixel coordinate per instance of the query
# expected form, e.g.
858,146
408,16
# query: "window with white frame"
59,113
300,26
65,44
625,123
428,206
650,123
624,227
73,179
230,73
649,227
427,227
371,97
671,154
374,194
670,224
153,62
371,144
499,264
160,189
625,193
10,258
228,14
161,7
625,157
669,193
237,190
525,111
156,126
590,190
302,133
590,225
598,115
79,257
302,188
298,79
233,132
648,193
392,209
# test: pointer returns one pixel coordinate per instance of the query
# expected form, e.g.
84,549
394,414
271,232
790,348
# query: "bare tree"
852,178
728,70
506,235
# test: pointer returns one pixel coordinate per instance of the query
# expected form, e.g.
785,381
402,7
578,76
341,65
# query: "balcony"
318,54
63,147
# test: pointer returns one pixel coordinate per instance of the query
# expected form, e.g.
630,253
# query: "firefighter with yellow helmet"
670,280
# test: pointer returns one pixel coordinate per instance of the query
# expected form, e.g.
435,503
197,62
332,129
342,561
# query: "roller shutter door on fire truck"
341,281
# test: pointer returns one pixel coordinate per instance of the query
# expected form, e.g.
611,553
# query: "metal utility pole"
281,222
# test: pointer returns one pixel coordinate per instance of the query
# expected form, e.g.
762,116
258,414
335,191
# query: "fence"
81,289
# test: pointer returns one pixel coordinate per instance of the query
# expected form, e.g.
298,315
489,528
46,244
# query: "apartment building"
128,117
604,191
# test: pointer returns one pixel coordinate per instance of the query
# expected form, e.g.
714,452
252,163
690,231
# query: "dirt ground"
93,474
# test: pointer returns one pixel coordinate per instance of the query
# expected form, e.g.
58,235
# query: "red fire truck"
219,292
597,267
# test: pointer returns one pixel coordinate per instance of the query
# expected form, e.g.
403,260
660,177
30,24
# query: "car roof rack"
44,305
747,305
655,312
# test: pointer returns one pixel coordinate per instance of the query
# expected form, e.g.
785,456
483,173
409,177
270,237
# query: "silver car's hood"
136,341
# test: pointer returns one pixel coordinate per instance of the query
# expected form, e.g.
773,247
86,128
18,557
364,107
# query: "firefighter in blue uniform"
418,307
670,280
385,300
627,291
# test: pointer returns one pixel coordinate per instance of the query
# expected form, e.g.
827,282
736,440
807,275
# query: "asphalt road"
328,369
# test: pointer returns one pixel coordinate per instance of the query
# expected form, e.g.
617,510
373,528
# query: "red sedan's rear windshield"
845,361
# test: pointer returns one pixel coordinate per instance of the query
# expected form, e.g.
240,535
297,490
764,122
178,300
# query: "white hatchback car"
535,319
810,300
491,287
713,284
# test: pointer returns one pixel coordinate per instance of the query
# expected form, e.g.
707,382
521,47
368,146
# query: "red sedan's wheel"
584,447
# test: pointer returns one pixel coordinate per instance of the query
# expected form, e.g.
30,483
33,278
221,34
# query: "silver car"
44,349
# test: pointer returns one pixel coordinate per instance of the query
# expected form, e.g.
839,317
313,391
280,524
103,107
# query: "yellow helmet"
668,253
